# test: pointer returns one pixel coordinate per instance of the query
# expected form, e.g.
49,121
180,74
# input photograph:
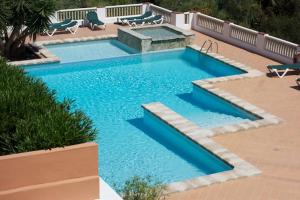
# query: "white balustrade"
271,47
246,38
280,47
210,23
74,14
243,34
167,14
124,10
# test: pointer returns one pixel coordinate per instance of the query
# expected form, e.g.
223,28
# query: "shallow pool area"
155,37
111,91
89,50
159,33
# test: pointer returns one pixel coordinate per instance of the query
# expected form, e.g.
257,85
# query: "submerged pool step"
176,121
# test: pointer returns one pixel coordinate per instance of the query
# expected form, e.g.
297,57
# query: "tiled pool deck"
200,136
274,150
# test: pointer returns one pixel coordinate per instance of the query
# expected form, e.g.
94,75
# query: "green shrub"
32,119
142,189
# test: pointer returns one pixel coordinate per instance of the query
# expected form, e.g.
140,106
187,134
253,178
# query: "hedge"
31,117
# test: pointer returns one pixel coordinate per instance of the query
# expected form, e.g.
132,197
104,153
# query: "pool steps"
199,136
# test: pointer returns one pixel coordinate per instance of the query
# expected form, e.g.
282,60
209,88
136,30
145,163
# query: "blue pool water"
111,91
175,141
91,50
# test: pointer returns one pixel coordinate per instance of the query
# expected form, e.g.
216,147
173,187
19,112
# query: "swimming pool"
111,91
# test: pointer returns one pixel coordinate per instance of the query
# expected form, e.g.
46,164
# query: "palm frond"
5,12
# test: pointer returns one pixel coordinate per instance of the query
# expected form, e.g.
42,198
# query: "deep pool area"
111,91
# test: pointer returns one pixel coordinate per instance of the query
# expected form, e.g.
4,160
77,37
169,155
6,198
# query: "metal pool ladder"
210,46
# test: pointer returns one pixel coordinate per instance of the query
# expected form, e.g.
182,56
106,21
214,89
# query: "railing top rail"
127,5
212,18
280,40
77,9
161,8
244,28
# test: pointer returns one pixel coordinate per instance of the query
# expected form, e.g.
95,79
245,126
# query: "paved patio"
274,150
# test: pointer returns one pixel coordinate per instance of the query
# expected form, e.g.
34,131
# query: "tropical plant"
20,20
138,188
31,117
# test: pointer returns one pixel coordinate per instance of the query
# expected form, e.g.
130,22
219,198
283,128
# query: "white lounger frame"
160,21
132,23
279,74
95,25
72,30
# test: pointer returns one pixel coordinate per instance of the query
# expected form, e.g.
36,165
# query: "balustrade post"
54,17
146,7
101,13
261,41
297,55
194,20
175,18
226,29
298,49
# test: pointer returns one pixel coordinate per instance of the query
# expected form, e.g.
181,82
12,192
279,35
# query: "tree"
20,20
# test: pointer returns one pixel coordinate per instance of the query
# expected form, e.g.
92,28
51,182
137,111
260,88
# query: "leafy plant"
32,119
20,19
138,188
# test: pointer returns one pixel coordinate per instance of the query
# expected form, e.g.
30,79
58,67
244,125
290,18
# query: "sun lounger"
126,20
72,27
54,25
157,19
93,20
283,68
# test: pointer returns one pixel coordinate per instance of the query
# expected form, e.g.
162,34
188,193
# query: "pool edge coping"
195,133
181,32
